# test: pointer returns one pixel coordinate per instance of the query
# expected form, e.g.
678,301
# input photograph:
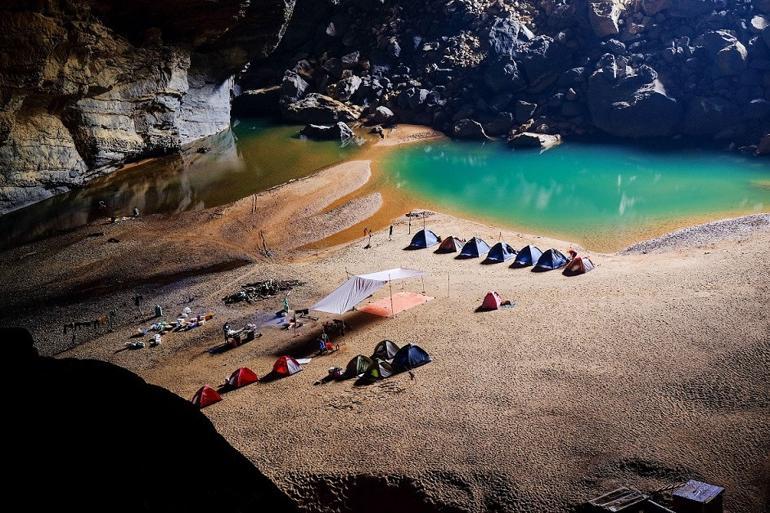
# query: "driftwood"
259,290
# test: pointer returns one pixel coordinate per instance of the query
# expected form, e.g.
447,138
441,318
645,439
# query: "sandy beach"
648,371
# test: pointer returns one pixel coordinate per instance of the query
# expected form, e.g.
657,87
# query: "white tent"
360,287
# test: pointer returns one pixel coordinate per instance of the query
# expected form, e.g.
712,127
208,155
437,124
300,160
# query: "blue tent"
550,260
474,248
500,252
409,357
528,255
423,239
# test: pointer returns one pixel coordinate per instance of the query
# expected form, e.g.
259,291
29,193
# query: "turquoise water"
599,195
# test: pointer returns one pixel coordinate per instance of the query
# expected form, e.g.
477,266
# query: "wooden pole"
390,286
447,284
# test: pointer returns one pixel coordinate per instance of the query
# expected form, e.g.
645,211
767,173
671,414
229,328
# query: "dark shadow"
96,437
517,265
306,345
542,270
465,257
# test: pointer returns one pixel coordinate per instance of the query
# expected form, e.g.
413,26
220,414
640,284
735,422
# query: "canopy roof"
359,287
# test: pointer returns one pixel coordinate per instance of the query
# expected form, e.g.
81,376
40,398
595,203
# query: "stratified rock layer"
86,85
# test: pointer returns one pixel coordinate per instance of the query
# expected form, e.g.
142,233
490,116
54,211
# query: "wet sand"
650,370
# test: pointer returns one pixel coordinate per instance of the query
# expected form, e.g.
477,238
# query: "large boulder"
293,86
504,37
723,49
604,16
533,140
543,60
345,88
383,116
504,76
678,8
257,102
318,109
336,132
709,115
469,129
629,102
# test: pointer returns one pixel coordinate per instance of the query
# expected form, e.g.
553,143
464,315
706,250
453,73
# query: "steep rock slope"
86,85
478,68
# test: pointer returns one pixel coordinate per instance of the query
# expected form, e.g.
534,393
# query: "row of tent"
386,360
503,252
207,395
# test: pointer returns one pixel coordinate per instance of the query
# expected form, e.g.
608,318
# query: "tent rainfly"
359,287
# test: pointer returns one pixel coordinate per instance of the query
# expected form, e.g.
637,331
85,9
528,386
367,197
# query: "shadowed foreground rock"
92,436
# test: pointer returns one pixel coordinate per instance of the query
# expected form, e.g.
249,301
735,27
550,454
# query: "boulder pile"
479,69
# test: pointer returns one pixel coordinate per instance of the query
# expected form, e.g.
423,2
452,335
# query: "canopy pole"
447,284
422,279
390,286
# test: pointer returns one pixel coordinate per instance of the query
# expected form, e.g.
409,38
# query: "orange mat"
401,301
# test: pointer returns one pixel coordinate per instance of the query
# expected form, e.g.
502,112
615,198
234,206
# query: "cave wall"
86,85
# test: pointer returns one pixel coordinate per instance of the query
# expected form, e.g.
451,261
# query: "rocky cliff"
86,85
479,68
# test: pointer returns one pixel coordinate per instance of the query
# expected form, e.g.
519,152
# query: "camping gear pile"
236,338
184,322
528,256
259,290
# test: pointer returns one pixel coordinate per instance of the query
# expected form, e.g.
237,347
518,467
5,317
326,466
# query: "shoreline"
651,335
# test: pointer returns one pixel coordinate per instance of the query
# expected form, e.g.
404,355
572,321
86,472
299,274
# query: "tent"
550,260
357,366
500,252
409,357
450,245
578,265
359,287
242,377
491,301
286,366
528,255
423,239
379,369
474,248
385,350
206,396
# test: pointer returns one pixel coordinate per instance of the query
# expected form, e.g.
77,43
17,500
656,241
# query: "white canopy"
360,287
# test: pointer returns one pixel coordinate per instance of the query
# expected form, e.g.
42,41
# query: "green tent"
356,366
379,369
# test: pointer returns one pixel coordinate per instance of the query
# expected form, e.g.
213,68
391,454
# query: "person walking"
390,233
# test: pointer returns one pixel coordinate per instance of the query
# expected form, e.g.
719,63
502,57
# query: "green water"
599,195
250,158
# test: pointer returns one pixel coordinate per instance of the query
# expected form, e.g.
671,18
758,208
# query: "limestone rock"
318,109
257,102
469,129
709,115
534,140
383,116
336,132
604,16
629,102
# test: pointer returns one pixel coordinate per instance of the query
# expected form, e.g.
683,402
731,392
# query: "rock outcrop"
631,102
86,85
483,68
120,444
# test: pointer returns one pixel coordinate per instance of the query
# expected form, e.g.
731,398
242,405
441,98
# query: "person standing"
390,233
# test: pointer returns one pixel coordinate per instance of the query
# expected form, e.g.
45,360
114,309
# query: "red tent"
286,366
206,396
242,377
491,301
